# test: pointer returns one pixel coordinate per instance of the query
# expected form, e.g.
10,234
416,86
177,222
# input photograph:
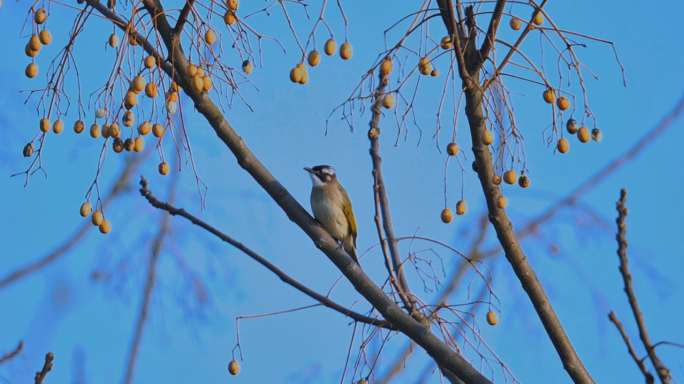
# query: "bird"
332,207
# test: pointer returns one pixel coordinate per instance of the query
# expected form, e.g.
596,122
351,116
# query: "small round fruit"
515,24
164,169
563,145
150,62
496,179
461,208
425,66
151,90
305,78
538,18
86,209
314,58
229,17
446,42
210,37
138,84
97,218
386,67
201,72
192,70
105,227
45,125
131,100
29,52
434,73
106,131
452,149
34,43
510,177
58,126
572,126
115,131
234,367
596,135
40,16
94,131
113,40
330,47
549,96
207,83
100,113
524,181
233,4
487,137
173,97
502,202
346,51
247,67
128,119
563,103
296,75
139,144
157,130
447,216
45,37
145,128
129,144
118,145
31,70
197,83
79,126
174,87
583,135
388,101
492,318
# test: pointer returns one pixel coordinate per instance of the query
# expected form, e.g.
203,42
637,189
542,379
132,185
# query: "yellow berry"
164,169
35,44
549,96
79,126
515,24
233,4
502,202
229,17
314,58
510,177
524,181
105,227
346,51
583,135
538,18
94,131
139,144
388,101
487,137
492,318
150,62
330,47
461,208
563,103
40,16
210,37
247,67
45,37
58,126
97,218
234,367
452,149
447,216
563,146
445,43
86,209
157,130
145,128
386,67
45,125
31,70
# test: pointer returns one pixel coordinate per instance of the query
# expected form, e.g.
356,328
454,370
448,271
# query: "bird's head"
321,175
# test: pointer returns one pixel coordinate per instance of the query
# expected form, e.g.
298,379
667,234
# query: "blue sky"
63,310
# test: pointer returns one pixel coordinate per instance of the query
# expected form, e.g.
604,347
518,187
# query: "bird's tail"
351,250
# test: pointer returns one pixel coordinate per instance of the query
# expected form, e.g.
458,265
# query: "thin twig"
145,192
642,367
47,367
11,355
621,237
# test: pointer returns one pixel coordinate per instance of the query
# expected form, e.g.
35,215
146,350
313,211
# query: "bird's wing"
349,213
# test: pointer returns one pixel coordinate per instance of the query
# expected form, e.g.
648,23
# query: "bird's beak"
308,169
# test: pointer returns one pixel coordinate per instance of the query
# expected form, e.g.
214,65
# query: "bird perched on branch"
332,207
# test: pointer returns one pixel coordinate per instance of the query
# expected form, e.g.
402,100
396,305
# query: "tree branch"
621,237
183,17
147,193
488,42
11,355
506,235
122,180
640,363
157,248
381,195
47,367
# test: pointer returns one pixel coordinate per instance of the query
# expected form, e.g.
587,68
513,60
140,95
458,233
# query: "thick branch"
661,370
183,17
506,235
145,192
295,212
640,363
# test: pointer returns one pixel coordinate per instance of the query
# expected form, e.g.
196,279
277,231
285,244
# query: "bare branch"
11,355
642,367
621,237
47,367
145,192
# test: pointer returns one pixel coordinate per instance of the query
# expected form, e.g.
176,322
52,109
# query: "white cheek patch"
328,171
315,180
